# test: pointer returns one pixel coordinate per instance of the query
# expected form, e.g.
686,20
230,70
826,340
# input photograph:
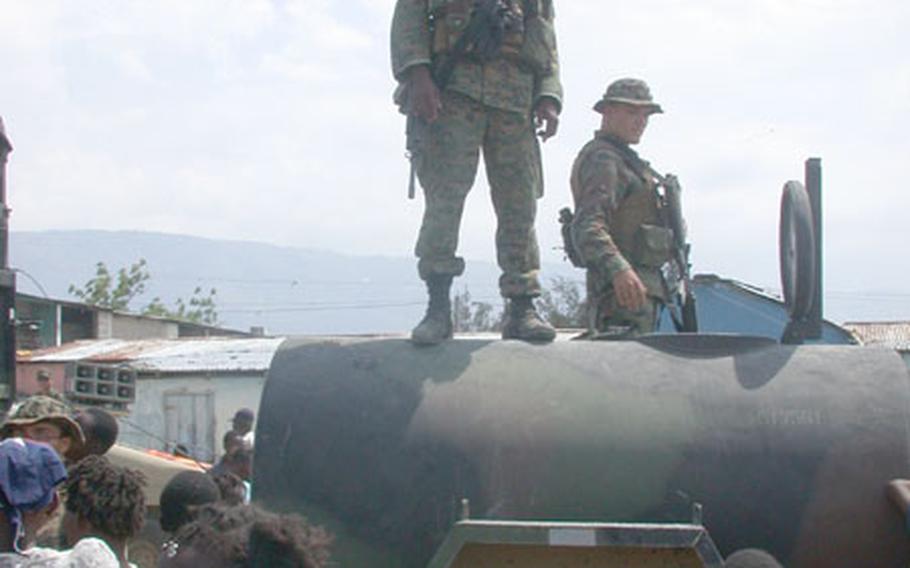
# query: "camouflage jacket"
513,83
617,221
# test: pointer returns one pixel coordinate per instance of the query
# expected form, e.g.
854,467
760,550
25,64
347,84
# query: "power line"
323,308
290,282
33,281
328,306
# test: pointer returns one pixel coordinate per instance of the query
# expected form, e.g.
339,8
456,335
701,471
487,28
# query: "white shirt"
88,553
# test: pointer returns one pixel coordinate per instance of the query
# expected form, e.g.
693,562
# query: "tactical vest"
531,42
635,221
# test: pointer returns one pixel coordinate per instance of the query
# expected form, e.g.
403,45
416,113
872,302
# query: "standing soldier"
478,74
623,226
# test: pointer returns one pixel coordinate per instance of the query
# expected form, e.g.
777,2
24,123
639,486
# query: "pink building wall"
27,377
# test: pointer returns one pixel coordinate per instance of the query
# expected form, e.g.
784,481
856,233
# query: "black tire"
797,250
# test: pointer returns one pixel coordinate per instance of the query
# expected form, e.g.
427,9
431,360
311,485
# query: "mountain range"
286,290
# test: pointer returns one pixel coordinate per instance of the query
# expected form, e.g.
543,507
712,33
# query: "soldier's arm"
547,85
411,59
410,37
596,198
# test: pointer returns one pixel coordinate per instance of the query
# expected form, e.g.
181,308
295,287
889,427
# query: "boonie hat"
29,472
628,91
41,408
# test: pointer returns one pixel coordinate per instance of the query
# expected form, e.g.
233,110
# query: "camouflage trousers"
447,169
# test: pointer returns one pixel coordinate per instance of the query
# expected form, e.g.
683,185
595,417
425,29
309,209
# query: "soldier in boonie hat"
628,91
46,419
617,231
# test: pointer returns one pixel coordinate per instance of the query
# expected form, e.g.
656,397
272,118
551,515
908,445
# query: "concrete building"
894,335
45,322
186,390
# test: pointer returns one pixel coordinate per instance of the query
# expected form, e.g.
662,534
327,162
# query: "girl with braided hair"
104,501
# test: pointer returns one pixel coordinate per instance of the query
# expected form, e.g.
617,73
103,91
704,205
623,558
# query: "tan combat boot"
523,322
436,325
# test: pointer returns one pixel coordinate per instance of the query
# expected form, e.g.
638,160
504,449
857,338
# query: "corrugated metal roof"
168,355
893,334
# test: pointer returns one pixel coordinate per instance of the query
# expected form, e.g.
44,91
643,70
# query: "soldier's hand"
630,292
546,118
424,95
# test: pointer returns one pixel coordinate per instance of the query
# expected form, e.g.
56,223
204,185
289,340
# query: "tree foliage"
469,315
105,291
563,304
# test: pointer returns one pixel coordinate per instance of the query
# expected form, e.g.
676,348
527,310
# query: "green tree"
200,308
105,292
563,304
469,315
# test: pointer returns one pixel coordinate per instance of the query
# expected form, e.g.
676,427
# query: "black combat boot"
523,322
436,325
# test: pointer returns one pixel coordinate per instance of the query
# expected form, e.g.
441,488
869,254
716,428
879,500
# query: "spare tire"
797,250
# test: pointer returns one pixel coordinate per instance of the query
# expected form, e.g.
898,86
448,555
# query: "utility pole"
7,289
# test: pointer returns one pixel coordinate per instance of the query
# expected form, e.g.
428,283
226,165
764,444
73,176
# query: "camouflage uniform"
618,226
485,105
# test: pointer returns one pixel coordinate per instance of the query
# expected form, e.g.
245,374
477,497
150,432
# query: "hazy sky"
272,121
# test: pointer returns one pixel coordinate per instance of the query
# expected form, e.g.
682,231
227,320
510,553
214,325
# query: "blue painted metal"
727,306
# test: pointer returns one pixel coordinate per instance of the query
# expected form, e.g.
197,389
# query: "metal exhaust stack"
814,188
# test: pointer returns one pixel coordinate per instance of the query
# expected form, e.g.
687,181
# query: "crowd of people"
64,504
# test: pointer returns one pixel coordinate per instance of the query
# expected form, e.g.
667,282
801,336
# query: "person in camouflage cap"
617,231
45,419
487,93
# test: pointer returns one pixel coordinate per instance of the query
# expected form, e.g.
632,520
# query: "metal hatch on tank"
780,446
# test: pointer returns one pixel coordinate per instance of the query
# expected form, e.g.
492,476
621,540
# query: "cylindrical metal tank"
786,448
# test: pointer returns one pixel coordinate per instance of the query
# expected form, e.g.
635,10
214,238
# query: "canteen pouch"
653,246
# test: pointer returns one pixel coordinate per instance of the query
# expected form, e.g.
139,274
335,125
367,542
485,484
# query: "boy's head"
100,429
185,492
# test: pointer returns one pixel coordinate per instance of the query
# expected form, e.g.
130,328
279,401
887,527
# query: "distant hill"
287,290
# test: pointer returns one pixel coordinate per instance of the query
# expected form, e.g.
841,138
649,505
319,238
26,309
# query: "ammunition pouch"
566,217
653,246
448,21
523,34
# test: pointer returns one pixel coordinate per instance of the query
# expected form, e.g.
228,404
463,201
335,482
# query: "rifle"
671,209
482,38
